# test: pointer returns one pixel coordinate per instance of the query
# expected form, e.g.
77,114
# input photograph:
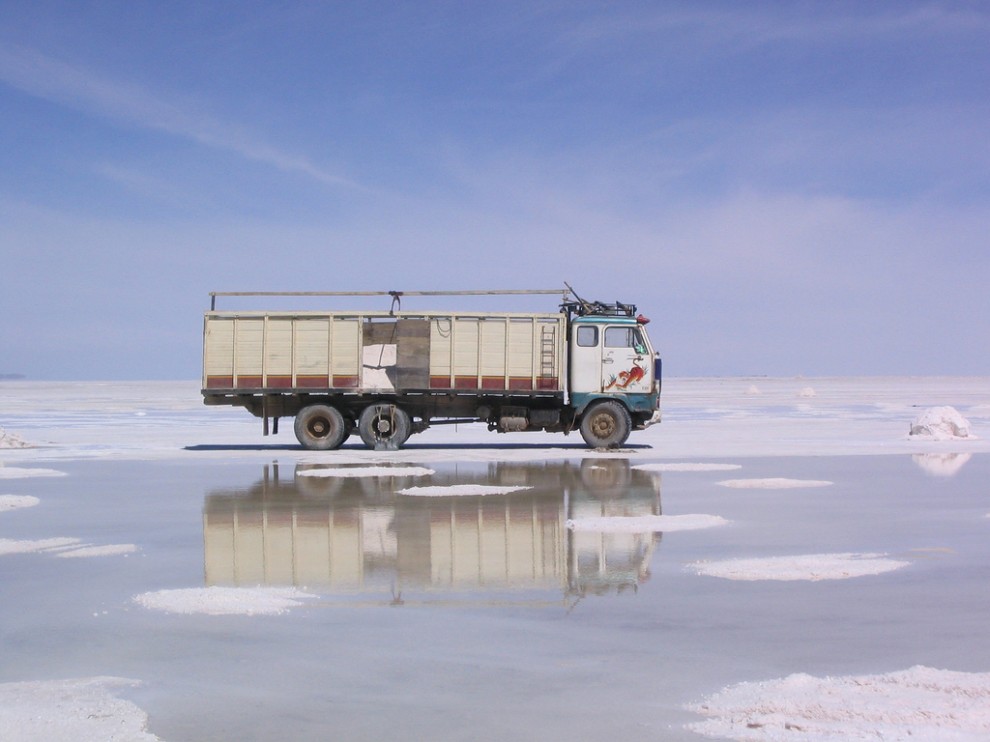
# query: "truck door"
627,362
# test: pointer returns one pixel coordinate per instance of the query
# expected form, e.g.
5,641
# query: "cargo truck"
388,374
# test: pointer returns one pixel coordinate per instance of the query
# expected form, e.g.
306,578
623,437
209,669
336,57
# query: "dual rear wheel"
382,427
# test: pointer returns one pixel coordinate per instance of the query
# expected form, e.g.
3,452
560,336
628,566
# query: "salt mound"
9,440
367,471
13,502
807,393
460,490
646,523
919,703
224,601
676,466
940,424
773,483
76,709
813,567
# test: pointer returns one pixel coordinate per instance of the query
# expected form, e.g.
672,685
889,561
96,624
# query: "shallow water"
482,616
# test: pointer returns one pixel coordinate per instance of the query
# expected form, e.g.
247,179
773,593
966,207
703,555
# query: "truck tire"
606,425
384,427
320,427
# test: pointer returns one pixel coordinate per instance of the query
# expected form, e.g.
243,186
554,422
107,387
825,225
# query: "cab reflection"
359,534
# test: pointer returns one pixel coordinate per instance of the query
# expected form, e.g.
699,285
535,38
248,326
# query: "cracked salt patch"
23,472
15,502
646,523
919,703
224,601
72,709
10,546
97,551
62,547
367,471
460,490
773,483
811,567
687,467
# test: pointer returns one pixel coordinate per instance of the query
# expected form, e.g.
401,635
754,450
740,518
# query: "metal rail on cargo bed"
395,295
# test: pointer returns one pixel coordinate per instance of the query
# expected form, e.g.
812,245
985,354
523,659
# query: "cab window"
624,337
587,337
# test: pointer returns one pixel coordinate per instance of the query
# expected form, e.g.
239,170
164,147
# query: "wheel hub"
603,426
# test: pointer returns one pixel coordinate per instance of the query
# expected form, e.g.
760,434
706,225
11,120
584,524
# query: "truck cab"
614,373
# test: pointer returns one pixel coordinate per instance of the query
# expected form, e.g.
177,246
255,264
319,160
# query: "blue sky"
785,188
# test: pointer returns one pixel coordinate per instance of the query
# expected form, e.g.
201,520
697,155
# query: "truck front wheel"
320,427
606,425
384,427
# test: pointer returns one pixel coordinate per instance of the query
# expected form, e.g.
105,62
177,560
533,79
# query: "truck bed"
260,352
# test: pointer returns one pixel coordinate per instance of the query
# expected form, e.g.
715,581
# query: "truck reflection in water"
357,534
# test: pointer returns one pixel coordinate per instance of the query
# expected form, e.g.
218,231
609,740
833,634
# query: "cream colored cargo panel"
278,347
249,337
312,346
466,336
493,350
346,352
218,347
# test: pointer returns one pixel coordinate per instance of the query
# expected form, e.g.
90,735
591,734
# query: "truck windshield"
625,337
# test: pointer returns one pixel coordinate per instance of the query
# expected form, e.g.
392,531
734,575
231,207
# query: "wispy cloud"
731,29
45,77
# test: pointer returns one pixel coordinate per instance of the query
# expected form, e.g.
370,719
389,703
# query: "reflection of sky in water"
496,644
346,534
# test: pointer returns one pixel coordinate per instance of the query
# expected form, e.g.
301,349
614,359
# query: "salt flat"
702,418
772,542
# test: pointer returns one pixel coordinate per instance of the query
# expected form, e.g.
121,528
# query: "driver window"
619,337
624,337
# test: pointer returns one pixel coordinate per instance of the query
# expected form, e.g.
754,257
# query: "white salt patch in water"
774,483
813,567
15,502
367,471
921,703
20,472
940,424
9,546
224,601
646,523
807,393
687,467
98,551
71,710
460,490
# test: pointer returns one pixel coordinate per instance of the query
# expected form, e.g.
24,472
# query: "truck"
387,374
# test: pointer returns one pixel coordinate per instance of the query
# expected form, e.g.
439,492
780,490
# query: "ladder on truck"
548,352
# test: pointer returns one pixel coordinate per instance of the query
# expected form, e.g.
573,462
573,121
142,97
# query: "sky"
784,188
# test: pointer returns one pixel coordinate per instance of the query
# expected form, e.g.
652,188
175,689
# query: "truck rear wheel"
384,427
606,425
320,427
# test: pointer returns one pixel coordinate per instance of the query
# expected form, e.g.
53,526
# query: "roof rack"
584,308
